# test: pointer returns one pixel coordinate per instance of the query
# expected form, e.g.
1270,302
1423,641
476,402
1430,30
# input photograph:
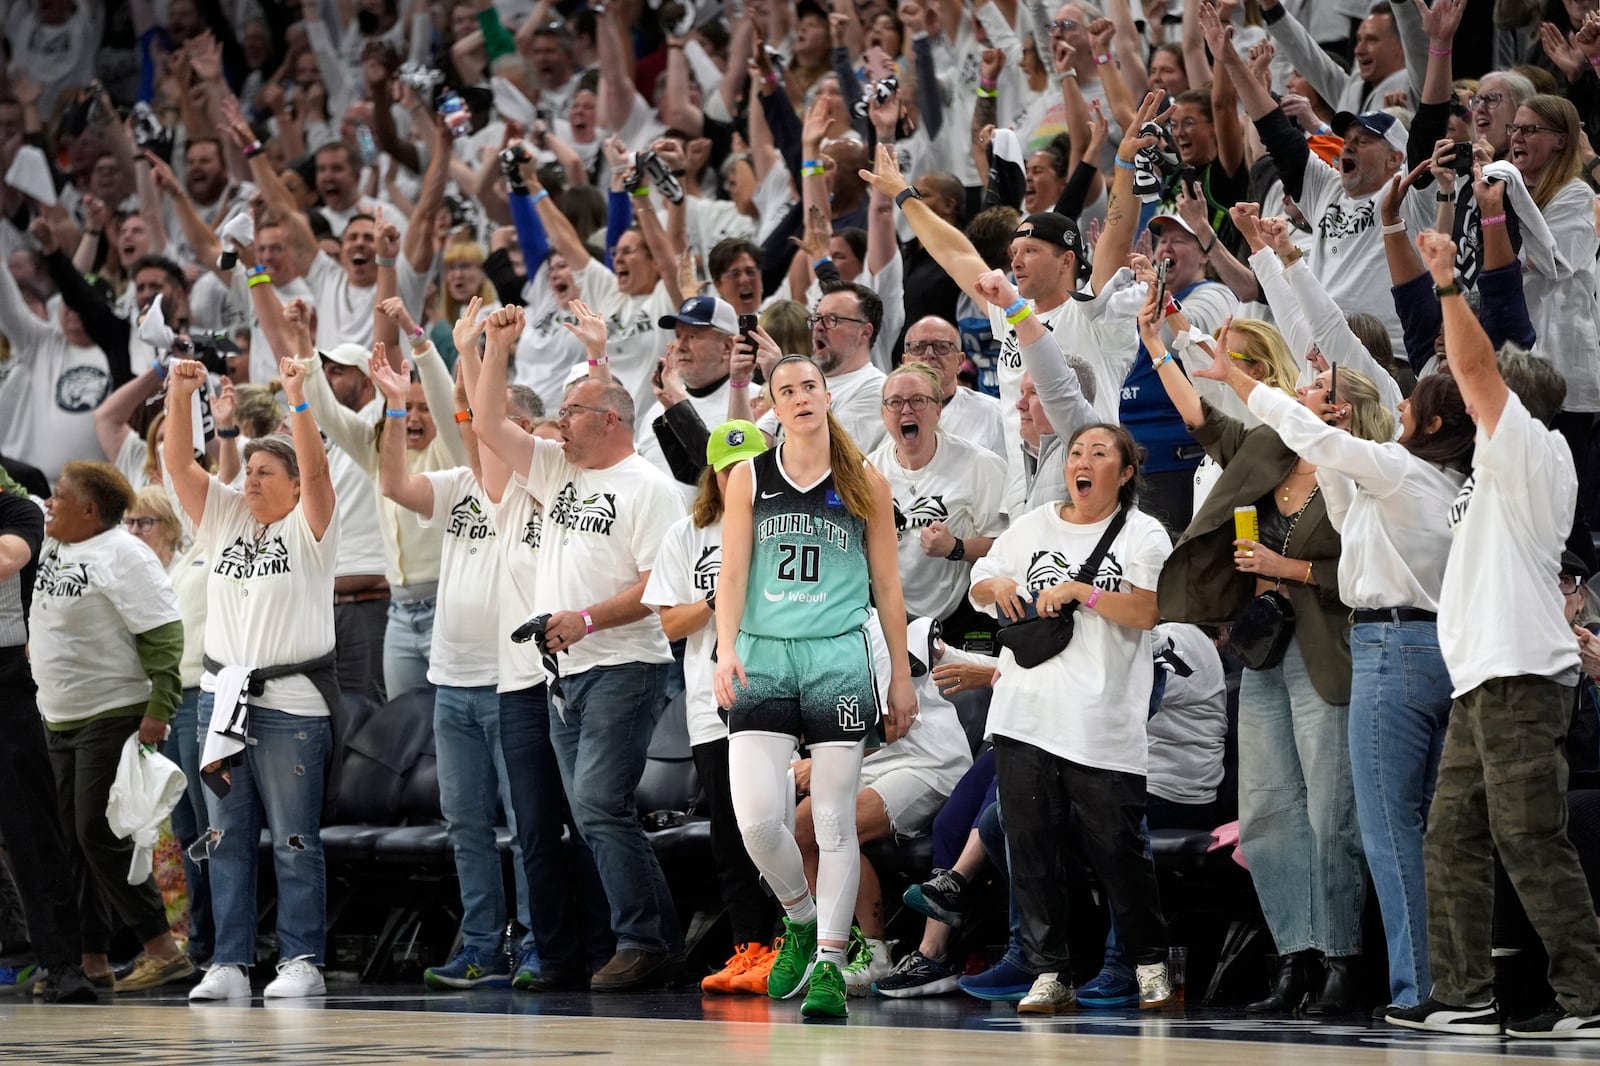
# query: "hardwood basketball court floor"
366,1026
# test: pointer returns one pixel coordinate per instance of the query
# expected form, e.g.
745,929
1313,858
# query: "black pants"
1578,429
85,763
358,630
1040,794
28,820
751,911
1168,497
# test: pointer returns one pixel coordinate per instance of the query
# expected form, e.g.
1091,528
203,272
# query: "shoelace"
295,966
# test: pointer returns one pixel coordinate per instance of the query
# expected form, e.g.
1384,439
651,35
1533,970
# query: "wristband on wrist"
253,149
161,369
300,408
1163,361
771,78
1124,164
745,384
819,263
259,268
1016,305
588,623
1102,59
812,172
1432,51
227,434
1395,227
641,192
386,260
1441,291
417,333
600,362
908,193
540,195
1493,220
259,279
1020,315
1094,597
1323,129
807,164
1212,243
1070,72
1440,196
392,412
464,416
986,83
987,94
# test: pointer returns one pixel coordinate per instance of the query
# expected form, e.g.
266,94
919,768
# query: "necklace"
1283,489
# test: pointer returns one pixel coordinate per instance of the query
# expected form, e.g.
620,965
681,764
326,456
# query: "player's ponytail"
849,468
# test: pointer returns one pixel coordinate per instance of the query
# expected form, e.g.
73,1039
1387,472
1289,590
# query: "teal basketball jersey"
808,570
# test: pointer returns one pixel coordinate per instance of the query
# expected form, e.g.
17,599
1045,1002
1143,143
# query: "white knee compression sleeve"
835,780
758,768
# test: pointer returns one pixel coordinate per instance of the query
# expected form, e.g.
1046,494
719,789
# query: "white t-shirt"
519,528
463,653
344,311
976,418
634,340
1501,612
686,571
270,598
360,536
1104,673
90,600
190,574
601,532
960,486
773,198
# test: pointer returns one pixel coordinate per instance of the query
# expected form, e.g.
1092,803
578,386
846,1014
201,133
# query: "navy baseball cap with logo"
1380,124
703,311
1055,228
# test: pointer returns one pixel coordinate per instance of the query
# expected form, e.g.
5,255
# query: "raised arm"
616,70
1472,356
420,245
1122,209
1293,40
1042,357
502,436
395,480
316,484
189,481
947,245
1179,390
564,239
111,417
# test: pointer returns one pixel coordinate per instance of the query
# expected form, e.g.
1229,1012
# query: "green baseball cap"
732,441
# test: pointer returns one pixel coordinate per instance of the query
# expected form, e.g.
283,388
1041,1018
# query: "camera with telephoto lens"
513,157
533,629
661,178
208,347
147,129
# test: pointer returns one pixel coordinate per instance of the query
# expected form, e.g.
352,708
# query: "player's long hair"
845,459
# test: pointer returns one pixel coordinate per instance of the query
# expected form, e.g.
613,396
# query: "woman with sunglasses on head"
947,494
1391,501
152,519
808,541
1297,812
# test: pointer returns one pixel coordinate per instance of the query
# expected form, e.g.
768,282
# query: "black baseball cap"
1052,227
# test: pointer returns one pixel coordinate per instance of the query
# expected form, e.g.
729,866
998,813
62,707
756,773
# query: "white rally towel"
147,787
228,731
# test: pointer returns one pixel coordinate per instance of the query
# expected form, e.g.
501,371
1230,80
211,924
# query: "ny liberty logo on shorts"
849,708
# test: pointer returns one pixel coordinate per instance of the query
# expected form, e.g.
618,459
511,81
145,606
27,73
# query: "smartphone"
661,367
748,324
1461,161
1333,384
1161,287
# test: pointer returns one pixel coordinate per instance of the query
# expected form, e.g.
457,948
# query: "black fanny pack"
1033,640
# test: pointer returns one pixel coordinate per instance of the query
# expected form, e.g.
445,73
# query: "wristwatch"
959,552
908,193
1441,291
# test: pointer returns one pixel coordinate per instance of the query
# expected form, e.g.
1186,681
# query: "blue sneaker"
18,978
1004,982
470,969
1109,990
527,970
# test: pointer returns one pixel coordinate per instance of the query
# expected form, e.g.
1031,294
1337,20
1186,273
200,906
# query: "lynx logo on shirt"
1335,224
592,514
67,581
1052,568
81,388
1011,352
245,560
923,511
531,531
468,520
1463,500
707,569
640,323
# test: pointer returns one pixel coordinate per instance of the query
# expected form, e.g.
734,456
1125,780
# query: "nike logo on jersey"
770,495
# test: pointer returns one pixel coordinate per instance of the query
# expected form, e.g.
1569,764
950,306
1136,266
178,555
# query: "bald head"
935,343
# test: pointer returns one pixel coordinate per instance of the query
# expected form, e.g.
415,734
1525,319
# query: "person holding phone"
808,539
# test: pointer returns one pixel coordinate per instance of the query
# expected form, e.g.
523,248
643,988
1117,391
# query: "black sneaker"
1434,1017
940,898
1556,1024
917,975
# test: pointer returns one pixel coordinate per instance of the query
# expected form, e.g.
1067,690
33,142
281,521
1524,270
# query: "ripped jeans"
276,782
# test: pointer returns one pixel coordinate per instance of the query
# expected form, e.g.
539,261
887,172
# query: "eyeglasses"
1061,27
139,524
1190,123
735,273
1485,99
1570,584
918,402
566,412
940,349
1528,129
830,321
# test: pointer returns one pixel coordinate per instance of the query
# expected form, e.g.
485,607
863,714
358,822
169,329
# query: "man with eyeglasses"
968,413
1387,43
705,329
606,511
842,328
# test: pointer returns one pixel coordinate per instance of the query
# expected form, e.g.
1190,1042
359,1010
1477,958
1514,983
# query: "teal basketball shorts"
818,690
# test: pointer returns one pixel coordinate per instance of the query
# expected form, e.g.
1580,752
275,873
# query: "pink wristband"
588,623
1094,598
1493,220
745,384
1440,51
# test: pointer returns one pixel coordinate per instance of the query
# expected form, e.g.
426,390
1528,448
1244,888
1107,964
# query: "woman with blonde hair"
1297,808
153,519
808,543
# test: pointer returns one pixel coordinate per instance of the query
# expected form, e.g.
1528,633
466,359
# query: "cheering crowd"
800,368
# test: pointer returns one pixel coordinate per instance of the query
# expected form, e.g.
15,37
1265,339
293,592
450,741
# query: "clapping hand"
394,384
589,328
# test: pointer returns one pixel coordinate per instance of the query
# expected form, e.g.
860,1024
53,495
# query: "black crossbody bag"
1033,640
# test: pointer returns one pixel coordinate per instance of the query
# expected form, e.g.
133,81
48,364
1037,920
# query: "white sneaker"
1155,987
1049,995
874,959
222,981
297,978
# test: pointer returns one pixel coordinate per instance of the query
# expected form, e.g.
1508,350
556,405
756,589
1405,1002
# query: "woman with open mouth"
808,533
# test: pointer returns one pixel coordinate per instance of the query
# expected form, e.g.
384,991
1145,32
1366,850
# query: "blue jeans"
570,921
1297,810
472,779
276,780
601,745
992,832
1399,707
406,642
189,820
